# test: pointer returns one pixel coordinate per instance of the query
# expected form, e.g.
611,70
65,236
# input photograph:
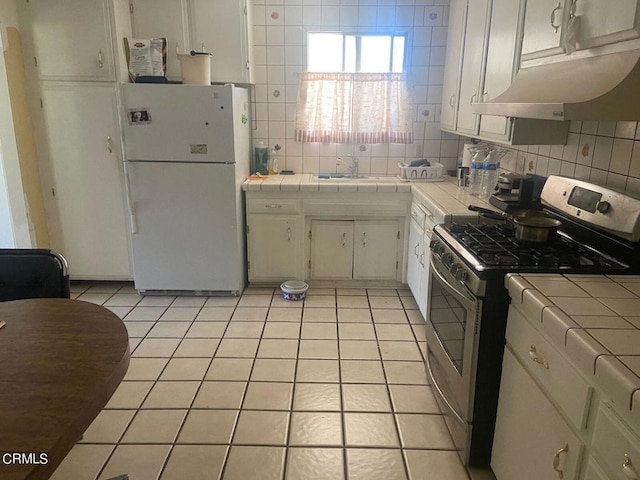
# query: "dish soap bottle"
273,163
262,159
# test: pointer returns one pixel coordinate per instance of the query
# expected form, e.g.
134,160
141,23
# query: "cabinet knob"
452,99
422,259
533,353
344,240
100,59
628,469
288,234
415,249
109,144
364,239
273,205
552,19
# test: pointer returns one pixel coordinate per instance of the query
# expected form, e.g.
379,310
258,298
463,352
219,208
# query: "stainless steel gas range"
468,303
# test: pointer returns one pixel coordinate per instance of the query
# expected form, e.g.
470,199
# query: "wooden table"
60,362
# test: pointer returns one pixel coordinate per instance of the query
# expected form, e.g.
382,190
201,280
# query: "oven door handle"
466,294
439,390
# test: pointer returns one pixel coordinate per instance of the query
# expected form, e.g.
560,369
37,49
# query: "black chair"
33,273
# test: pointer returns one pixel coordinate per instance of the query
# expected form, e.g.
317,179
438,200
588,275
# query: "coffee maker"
514,192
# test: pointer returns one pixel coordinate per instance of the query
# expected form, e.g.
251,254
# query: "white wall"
14,222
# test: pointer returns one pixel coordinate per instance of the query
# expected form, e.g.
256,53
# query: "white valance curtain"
354,108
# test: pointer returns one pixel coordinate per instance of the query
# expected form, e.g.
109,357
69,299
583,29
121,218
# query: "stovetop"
494,247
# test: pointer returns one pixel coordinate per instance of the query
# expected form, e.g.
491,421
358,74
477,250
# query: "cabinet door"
88,219
502,59
602,23
472,66
331,250
71,39
543,23
273,247
530,433
415,252
164,18
221,26
424,274
451,86
375,250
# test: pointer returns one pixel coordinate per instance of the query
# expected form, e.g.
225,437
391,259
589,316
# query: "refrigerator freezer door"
187,236
180,123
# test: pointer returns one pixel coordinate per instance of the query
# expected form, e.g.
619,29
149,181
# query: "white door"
87,221
221,26
273,247
164,18
530,433
187,233
543,23
414,269
72,39
450,88
331,250
603,23
471,80
375,250
502,59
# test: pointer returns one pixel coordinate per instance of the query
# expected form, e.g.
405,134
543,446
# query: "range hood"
603,87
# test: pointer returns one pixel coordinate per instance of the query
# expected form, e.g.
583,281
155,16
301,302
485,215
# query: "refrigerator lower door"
187,227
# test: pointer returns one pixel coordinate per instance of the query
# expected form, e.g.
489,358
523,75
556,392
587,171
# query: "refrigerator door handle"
127,188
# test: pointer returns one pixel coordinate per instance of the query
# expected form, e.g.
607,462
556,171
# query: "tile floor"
258,387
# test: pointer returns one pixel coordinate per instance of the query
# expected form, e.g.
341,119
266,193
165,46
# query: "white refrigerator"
187,151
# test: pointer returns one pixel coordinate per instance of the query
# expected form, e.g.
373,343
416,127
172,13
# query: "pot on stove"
529,225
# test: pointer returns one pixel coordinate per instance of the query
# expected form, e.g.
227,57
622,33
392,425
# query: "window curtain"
354,108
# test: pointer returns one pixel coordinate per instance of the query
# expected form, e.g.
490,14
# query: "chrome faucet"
353,167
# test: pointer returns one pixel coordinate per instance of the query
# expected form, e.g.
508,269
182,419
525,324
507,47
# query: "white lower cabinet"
273,247
85,198
418,265
331,256
532,440
354,249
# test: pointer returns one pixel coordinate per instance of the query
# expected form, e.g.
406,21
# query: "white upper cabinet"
490,59
472,77
503,55
550,24
72,39
543,26
164,19
603,23
222,26
455,38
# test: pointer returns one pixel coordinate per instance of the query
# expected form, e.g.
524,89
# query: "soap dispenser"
261,158
273,163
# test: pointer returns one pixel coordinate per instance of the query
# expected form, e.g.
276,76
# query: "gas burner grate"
496,246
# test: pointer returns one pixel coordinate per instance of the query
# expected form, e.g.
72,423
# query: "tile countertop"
446,194
595,319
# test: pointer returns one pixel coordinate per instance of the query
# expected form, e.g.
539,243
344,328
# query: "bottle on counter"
273,163
261,159
478,155
490,167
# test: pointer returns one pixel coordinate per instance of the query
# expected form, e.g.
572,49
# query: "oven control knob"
461,275
447,259
603,207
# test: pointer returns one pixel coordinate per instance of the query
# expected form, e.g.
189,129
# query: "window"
371,53
354,90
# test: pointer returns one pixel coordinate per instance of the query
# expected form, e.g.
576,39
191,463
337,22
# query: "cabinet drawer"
617,447
562,382
276,205
418,215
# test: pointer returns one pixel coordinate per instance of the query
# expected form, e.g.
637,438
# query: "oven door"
452,327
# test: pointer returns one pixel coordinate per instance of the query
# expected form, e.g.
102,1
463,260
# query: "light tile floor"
261,388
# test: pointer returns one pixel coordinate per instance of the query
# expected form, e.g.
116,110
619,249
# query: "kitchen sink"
346,178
